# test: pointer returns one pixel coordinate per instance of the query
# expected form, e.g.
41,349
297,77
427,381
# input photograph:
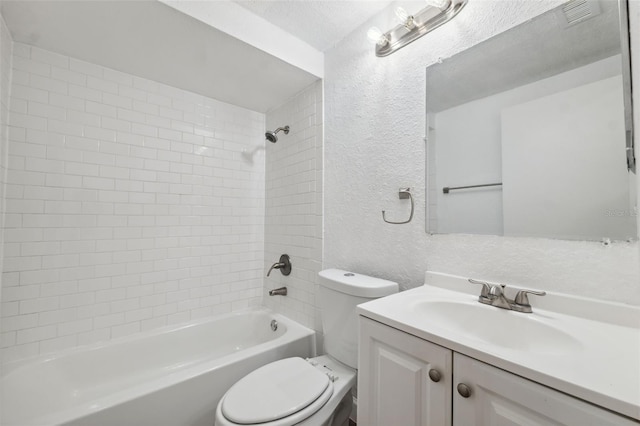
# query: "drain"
274,325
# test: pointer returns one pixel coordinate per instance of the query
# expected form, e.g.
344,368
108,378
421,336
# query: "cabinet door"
501,398
394,387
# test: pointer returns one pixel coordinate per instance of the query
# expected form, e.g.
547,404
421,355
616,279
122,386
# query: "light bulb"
402,15
440,4
404,18
375,35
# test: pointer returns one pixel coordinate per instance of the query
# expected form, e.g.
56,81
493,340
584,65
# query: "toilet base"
343,411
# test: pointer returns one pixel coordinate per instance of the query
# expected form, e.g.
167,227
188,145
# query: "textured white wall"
129,205
374,125
293,218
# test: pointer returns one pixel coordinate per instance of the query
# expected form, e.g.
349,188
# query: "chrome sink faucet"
494,295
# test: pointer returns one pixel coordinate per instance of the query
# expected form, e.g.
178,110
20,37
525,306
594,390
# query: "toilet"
314,391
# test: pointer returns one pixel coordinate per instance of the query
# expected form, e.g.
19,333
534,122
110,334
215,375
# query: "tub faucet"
282,291
284,265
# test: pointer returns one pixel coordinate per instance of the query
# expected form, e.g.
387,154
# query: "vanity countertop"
583,347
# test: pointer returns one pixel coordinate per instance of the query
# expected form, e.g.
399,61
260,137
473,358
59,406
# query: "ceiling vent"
577,11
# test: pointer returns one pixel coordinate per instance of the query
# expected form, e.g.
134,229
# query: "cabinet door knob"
435,375
464,390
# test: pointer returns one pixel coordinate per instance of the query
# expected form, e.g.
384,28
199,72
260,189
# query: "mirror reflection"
529,133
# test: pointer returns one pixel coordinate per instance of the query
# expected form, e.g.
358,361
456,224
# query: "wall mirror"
530,132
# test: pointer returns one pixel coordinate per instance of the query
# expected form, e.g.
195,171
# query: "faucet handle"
486,287
523,300
284,265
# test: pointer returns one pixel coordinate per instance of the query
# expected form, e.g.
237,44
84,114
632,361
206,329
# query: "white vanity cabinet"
395,388
501,398
394,383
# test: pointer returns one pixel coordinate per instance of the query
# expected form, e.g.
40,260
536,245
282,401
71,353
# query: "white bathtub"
171,377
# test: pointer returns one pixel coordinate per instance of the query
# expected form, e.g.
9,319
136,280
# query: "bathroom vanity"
433,355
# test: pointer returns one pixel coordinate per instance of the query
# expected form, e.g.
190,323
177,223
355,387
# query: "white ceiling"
152,40
320,23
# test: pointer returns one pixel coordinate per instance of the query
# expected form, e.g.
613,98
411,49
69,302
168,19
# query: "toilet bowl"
315,391
291,391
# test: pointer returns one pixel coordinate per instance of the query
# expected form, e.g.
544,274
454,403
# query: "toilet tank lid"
356,284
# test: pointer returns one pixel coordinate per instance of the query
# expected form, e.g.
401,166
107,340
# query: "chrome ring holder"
403,194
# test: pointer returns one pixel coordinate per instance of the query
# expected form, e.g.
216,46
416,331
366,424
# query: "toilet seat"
281,393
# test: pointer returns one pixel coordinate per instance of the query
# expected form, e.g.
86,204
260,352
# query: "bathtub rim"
10,367
294,332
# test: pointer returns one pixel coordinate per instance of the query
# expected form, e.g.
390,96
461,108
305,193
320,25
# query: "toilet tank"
340,292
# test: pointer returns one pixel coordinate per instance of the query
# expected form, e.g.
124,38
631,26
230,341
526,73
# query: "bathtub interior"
93,378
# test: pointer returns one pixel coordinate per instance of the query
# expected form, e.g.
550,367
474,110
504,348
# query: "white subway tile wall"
130,205
6,46
293,223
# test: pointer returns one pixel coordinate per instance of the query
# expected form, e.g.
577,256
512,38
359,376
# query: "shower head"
271,136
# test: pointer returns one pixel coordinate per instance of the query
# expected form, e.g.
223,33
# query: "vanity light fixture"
414,26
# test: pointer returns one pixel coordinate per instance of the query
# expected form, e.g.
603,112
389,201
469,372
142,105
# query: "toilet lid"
274,391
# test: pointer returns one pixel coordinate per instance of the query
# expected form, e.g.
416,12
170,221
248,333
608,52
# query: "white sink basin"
583,347
495,326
